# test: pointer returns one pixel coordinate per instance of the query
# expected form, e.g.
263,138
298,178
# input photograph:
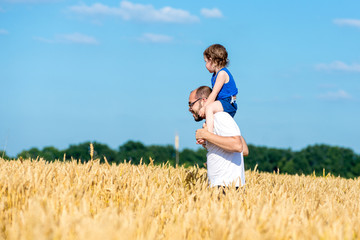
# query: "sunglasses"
192,104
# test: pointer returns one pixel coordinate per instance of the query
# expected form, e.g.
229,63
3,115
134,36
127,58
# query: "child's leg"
211,109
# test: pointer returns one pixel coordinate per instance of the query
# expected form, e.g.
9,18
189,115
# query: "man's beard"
197,118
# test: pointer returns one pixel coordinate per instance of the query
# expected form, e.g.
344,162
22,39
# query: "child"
223,95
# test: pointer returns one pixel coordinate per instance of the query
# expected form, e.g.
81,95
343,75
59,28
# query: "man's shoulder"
225,125
223,115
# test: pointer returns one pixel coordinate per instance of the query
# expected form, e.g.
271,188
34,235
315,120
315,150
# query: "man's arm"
245,147
230,144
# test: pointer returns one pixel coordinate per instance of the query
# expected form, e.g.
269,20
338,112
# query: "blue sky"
111,71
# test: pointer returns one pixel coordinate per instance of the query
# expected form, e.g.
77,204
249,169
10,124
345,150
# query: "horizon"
174,145
110,72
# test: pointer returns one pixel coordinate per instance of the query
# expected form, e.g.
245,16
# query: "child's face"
209,65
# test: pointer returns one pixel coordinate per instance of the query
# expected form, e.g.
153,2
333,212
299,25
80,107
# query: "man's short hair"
203,92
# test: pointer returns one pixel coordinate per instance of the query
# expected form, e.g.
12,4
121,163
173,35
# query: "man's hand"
201,134
200,140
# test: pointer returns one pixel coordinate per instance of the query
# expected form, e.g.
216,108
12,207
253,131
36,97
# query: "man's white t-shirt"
224,168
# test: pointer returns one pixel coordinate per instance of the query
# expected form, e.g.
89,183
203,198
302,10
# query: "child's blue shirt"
229,89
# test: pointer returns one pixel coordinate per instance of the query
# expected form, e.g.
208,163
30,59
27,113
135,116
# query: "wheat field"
72,200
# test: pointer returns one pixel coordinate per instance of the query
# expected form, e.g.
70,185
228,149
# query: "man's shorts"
229,107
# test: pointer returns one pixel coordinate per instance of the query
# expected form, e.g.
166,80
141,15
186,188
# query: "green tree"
162,154
51,154
3,155
82,152
132,151
356,169
301,164
188,157
33,153
267,159
256,156
78,152
101,150
289,167
350,162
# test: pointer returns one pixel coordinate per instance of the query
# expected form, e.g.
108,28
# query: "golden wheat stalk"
91,151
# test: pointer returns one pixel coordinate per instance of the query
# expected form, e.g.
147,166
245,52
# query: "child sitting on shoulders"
223,95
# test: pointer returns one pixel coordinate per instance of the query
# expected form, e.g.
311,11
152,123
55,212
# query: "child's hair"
218,55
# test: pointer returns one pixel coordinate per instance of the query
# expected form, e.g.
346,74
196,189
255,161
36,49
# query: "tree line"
338,161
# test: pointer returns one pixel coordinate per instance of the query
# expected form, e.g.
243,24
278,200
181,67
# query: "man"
226,147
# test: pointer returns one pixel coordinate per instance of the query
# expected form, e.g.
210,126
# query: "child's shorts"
229,106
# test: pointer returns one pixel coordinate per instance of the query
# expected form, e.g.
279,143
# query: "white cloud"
347,22
338,95
69,38
3,32
211,13
337,65
141,12
155,38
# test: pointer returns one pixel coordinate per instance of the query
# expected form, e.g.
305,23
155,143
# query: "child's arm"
221,79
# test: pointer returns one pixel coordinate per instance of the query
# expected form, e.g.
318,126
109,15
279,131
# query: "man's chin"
198,119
